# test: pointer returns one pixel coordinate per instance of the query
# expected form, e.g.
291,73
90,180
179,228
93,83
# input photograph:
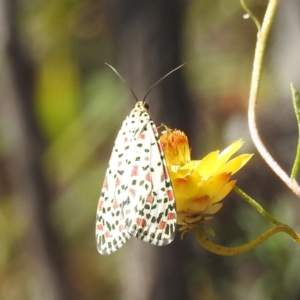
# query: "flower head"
199,185
176,147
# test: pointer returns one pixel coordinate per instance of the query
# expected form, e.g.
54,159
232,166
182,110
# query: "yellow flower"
199,185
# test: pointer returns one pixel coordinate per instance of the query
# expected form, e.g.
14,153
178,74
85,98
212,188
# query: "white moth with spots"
137,197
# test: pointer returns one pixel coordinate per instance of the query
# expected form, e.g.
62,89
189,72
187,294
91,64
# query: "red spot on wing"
121,228
166,173
115,204
148,176
141,222
171,216
170,195
150,198
100,227
107,234
118,181
127,212
161,225
142,136
119,163
105,185
133,192
100,205
135,171
125,139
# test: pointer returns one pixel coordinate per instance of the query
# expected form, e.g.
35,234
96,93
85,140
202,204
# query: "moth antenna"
123,81
161,79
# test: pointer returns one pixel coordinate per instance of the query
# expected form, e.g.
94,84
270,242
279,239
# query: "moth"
137,198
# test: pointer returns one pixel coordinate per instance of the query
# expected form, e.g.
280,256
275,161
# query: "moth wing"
149,207
111,231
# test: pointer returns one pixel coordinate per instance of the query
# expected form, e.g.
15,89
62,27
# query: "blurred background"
60,111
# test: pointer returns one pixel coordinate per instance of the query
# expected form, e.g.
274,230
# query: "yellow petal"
227,153
181,172
181,203
213,185
206,166
185,187
190,165
212,209
236,163
197,204
176,172
223,192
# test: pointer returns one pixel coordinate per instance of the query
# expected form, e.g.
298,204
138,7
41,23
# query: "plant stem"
257,206
262,38
249,12
296,102
209,245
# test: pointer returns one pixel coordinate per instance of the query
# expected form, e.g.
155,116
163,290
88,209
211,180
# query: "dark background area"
60,111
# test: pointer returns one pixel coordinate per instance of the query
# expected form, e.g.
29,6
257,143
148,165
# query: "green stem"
209,245
249,12
296,102
257,206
